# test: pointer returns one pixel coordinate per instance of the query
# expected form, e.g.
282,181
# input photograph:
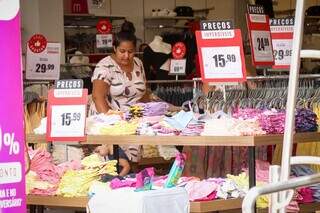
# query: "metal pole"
292,96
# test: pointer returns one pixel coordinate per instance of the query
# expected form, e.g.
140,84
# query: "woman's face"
125,53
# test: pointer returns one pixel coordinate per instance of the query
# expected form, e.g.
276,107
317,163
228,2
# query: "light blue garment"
180,120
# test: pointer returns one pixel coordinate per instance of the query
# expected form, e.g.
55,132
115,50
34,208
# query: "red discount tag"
37,43
260,36
104,26
179,50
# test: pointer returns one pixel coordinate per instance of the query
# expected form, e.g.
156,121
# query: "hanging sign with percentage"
282,36
67,111
44,64
220,52
12,141
260,36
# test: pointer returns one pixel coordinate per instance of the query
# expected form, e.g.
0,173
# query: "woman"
119,79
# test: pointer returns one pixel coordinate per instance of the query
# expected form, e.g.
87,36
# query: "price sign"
179,50
44,65
260,36
177,67
282,36
220,52
67,111
104,40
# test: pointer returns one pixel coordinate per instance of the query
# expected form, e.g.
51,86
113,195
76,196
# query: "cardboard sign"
260,36
12,141
220,52
282,36
44,65
104,40
66,111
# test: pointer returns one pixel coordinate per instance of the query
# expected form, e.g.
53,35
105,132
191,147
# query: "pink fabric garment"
116,183
44,192
293,207
211,196
72,165
262,171
41,163
198,190
306,195
151,119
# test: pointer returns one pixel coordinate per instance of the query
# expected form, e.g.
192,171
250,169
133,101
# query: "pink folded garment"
306,195
116,183
71,165
198,190
211,196
44,192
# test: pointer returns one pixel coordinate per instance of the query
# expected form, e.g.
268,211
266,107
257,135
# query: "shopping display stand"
206,206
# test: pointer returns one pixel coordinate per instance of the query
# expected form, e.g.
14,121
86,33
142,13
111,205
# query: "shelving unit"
230,205
170,18
196,207
87,19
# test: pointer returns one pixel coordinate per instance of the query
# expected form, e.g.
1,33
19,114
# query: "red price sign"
260,36
179,50
220,53
282,36
37,43
66,111
104,26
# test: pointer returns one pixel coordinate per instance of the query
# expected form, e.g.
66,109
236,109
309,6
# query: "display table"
249,141
230,205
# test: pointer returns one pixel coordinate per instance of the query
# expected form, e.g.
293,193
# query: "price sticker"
282,49
261,44
177,67
222,62
104,40
221,53
67,111
260,36
68,121
44,65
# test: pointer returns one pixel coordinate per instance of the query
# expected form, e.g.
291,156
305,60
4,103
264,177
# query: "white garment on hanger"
157,45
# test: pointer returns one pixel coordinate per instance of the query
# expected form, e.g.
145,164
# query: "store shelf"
167,26
86,20
170,18
189,140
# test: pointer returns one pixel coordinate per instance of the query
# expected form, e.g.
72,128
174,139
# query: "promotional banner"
12,169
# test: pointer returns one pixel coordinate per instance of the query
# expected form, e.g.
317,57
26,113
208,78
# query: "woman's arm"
125,167
99,94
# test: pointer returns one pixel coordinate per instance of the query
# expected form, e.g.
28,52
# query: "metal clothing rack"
280,175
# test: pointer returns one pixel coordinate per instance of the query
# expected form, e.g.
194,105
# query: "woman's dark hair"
126,34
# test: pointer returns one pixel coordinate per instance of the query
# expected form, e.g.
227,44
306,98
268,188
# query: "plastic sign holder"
260,36
282,36
66,111
220,52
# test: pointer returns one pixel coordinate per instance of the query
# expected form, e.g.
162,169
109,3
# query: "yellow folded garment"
92,161
77,183
242,181
121,128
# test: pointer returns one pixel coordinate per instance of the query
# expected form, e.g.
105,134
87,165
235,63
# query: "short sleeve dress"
123,91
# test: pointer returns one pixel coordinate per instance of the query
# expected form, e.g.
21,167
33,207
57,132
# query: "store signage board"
66,111
282,36
260,36
43,59
220,51
12,165
177,66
